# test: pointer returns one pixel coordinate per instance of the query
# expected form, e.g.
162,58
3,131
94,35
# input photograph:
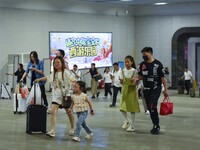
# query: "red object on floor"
101,84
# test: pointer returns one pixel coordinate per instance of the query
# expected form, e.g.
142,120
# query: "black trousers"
151,97
187,85
107,89
115,92
44,97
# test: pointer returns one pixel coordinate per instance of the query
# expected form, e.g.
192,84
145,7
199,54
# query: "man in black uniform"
152,73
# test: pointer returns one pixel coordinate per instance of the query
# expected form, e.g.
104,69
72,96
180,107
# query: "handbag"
66,100
98,77
166,107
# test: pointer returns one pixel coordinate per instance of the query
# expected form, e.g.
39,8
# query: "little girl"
60,79
108,82
80,105
129,99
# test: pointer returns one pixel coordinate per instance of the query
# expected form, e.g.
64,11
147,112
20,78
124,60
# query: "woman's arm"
41,79
86,73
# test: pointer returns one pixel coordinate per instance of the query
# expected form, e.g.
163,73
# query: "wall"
157,32
25,30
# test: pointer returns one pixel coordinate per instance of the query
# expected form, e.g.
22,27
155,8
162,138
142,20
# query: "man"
151,72
116,83
75,73
188,79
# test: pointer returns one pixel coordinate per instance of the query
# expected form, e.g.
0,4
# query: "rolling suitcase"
19,104
5,91
36,118
192,92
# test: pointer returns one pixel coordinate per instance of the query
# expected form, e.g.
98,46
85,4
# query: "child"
80,105
108,81
129,99
60,78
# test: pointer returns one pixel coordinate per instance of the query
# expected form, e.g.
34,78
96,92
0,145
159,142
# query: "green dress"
129,97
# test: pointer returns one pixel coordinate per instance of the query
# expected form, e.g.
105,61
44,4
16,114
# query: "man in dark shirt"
152,73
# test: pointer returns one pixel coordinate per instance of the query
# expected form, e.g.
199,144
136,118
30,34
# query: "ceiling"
108,7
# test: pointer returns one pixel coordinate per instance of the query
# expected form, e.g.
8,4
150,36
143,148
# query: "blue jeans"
81,122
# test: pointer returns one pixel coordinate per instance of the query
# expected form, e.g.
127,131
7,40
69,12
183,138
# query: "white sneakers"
77,139
51,133
147,112
88,136
71,132
125,125
131,128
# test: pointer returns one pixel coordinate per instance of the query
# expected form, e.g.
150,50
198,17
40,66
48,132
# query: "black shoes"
112,105
155,130
93,97
98,94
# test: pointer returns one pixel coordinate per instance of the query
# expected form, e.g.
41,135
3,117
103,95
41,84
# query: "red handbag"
166,107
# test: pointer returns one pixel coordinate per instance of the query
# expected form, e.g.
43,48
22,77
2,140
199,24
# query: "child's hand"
92,112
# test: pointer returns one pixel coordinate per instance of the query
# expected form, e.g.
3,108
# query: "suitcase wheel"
44,132
28,132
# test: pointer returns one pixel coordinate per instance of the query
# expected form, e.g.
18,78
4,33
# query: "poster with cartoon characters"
83,49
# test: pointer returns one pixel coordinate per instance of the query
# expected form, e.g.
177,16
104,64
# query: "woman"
19,73
36,68
94,73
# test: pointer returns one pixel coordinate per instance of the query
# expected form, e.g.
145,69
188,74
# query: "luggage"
5,91
180,90
19,104
36,117
192,92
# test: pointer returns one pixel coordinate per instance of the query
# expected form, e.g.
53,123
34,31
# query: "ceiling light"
161,3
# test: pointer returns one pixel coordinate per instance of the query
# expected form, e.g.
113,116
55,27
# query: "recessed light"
161,3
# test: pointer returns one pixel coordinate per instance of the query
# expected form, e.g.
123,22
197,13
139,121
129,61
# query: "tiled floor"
179,131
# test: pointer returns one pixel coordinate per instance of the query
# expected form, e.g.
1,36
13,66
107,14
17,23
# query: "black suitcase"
36,118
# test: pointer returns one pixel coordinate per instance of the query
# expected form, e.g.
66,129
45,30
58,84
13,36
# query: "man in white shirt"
188,79
116,83
75,73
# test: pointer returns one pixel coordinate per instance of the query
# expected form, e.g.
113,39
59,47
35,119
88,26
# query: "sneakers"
98,94
155,130
125,125
112,105
147,112
76,139
105,97
131,128
88,136
71,132
93,97
49,111
51,133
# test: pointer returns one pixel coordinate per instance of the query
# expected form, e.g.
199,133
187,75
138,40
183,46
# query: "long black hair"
132,60
63,67
35,55
82,86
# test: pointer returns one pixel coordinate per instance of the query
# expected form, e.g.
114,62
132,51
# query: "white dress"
57,83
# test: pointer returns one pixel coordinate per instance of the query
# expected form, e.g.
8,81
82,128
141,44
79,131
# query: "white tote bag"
38,97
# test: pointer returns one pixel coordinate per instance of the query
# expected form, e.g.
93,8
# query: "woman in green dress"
129,97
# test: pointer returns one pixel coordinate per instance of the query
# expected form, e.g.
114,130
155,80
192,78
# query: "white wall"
23,31
157,32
